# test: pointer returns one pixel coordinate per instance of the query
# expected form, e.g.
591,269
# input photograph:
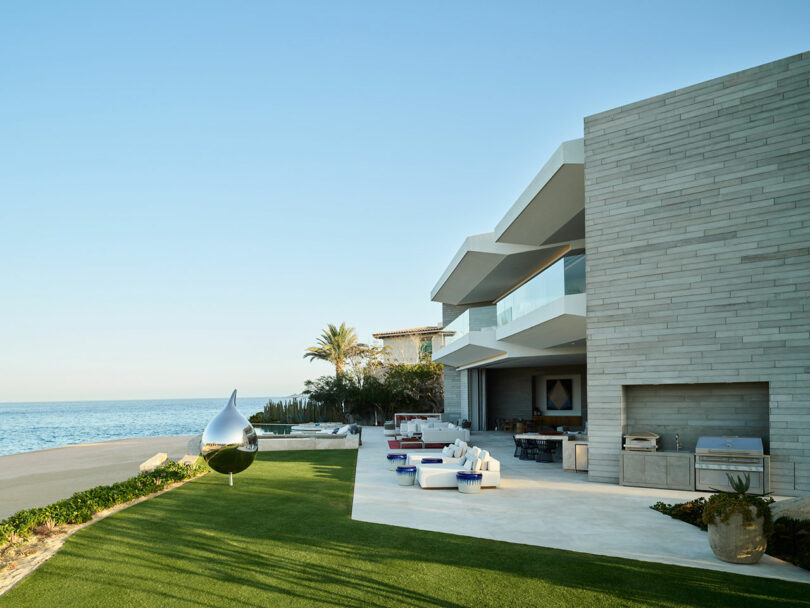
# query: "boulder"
794,508
154,462
188,460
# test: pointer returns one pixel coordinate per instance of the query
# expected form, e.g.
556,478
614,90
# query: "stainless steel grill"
717,457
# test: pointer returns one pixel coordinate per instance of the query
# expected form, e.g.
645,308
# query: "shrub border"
82,506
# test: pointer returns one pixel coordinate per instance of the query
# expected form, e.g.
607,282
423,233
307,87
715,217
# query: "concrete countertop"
658,452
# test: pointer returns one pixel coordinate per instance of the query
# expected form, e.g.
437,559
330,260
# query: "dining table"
541,436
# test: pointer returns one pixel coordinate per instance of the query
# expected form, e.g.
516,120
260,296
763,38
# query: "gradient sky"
190,191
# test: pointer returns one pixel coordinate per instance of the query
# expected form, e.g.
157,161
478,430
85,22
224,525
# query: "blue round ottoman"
394,460
432,461
469,482
406,475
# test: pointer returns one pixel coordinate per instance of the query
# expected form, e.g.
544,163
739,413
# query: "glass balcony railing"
461,327
472,319
564,277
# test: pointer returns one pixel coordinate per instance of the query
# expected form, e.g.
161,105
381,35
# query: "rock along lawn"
282,536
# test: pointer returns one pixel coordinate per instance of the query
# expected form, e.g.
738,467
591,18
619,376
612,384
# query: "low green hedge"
81,507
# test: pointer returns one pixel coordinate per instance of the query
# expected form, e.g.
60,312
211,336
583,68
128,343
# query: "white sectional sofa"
450,454
435,476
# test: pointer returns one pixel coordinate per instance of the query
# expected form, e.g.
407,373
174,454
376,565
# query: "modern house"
655,275
413,345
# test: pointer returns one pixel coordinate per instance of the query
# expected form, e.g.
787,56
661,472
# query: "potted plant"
739,524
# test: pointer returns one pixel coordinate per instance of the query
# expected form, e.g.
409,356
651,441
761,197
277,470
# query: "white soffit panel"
553,202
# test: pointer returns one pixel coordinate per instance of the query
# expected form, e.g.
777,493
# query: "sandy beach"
38,478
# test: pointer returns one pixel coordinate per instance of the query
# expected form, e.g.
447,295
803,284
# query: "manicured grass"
282,536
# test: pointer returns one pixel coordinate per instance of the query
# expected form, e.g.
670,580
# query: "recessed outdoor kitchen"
690,436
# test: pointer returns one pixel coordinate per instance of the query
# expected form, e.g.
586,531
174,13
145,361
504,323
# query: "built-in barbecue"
717,457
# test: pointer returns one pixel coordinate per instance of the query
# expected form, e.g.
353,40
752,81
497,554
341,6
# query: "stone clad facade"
697,220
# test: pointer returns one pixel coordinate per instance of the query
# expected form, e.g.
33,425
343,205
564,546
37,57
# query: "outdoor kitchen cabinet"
575,455
666,470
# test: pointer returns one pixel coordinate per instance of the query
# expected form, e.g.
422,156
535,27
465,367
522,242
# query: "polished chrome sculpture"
229,442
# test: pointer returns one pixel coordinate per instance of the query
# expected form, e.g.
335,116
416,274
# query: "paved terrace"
36,479
540,504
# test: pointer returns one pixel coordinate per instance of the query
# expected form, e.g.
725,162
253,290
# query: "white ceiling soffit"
550,360
552,207
482,270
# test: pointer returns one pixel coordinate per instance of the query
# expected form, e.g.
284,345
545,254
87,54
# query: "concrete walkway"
39,478
540,504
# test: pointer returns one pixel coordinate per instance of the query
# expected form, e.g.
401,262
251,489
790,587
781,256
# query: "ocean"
37,426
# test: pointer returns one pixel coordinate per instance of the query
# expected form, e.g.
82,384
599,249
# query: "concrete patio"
38,478
540,504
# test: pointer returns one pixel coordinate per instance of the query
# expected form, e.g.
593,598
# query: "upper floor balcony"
480,318
473,338
549,309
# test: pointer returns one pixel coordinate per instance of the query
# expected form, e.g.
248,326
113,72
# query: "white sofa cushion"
493,465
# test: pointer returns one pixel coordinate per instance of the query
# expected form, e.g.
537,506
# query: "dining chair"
545,451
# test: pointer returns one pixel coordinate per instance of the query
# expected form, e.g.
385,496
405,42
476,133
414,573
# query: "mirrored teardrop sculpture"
229,442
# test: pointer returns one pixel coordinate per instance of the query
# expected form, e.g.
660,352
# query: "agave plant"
739,484
722,505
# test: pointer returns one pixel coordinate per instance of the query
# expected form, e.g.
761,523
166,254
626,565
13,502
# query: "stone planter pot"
406,475
738,542
469,482
396,460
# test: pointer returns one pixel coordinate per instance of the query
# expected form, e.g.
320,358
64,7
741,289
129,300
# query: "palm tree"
336,345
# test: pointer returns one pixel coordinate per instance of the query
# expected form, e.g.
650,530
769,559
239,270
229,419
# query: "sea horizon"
105,400
37,425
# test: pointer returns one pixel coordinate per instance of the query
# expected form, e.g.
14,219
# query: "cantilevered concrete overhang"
561,321
552,207
472,347
482,270
483,349
554,357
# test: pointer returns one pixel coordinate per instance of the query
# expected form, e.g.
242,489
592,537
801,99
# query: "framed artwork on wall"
558,395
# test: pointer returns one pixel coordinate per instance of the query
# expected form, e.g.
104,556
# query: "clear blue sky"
190,191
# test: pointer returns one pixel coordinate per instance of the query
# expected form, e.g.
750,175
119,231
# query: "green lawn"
282,536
